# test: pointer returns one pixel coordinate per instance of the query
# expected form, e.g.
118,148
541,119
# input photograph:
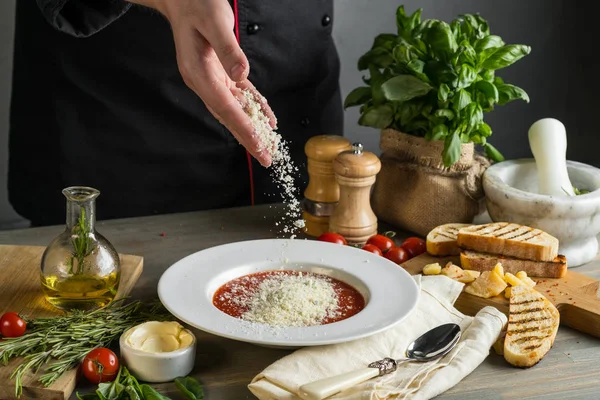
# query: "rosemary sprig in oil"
63,342
83,245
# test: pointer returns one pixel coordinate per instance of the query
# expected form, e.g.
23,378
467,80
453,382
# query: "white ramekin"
158,367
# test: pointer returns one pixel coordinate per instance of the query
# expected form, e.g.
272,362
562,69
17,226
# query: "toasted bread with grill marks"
509,239
441,241
532,325
477,261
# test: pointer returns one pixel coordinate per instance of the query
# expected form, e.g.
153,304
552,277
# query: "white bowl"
158,367
511,189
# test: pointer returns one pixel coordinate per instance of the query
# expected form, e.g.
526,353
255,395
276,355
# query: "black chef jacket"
98,101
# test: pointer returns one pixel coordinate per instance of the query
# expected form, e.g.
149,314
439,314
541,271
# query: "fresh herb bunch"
126,387
63,342
435,80
83,245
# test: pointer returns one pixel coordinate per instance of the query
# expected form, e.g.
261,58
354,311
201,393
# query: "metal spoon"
431,345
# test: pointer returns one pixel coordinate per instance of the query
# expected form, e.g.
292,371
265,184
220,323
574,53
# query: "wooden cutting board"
20,291
575,295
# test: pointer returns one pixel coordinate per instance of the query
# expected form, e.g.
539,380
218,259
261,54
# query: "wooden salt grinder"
322,193
355,171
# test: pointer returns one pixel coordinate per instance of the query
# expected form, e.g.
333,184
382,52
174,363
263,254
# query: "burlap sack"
415,192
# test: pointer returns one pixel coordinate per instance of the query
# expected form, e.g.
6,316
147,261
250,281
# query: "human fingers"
203,73
216,24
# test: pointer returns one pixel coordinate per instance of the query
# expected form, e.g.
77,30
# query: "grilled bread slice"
508,239
441,241
532,325
476,261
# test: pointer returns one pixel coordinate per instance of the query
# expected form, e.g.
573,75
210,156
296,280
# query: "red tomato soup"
288,298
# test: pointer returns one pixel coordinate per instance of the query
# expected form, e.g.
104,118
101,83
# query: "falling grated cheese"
282,168
286,300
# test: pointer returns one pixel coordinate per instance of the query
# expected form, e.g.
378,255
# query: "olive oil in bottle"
84,292
80,268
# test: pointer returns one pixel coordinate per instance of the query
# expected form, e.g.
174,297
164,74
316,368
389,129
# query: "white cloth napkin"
281,380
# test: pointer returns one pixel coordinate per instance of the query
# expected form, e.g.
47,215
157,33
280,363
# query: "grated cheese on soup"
288,299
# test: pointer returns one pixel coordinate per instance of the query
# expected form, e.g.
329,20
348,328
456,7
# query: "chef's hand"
213,65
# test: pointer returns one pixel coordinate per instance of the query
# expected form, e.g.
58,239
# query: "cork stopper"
356,163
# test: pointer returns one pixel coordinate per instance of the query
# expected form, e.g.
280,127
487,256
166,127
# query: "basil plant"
435,80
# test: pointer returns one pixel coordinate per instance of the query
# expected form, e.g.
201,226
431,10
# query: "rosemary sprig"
83,245
63,342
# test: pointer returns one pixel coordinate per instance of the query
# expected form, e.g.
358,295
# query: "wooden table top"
571,370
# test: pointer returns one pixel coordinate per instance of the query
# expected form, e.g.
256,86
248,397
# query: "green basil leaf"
416,67
488,89
413,21
493,153
423,27
466,76
505,56
420,46
466,29
484,27
443,92
441,40
488,75
377,80
488,42
474,117
455,27
402,54
132,393
408,110
358,96
439,132
440,72
444,113
402,21
484,130
378,57
380,117
467,55
110,390
190,387
508,92
461,100
451,152
404,87
472,22
386,41
149,393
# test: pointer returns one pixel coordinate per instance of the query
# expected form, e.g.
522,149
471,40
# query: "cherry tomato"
414,246
332,238
11,325
372,249
100,365
397,255
383,242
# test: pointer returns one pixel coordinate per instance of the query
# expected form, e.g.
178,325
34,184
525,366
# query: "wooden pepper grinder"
355,171
322,193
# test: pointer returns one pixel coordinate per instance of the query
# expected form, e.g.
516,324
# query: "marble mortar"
511,189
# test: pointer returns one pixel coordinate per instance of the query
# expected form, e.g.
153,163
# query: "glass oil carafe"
80,268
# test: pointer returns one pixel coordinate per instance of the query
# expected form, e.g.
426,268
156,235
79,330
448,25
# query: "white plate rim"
386,282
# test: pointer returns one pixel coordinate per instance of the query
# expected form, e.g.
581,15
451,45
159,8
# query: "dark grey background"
560,75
